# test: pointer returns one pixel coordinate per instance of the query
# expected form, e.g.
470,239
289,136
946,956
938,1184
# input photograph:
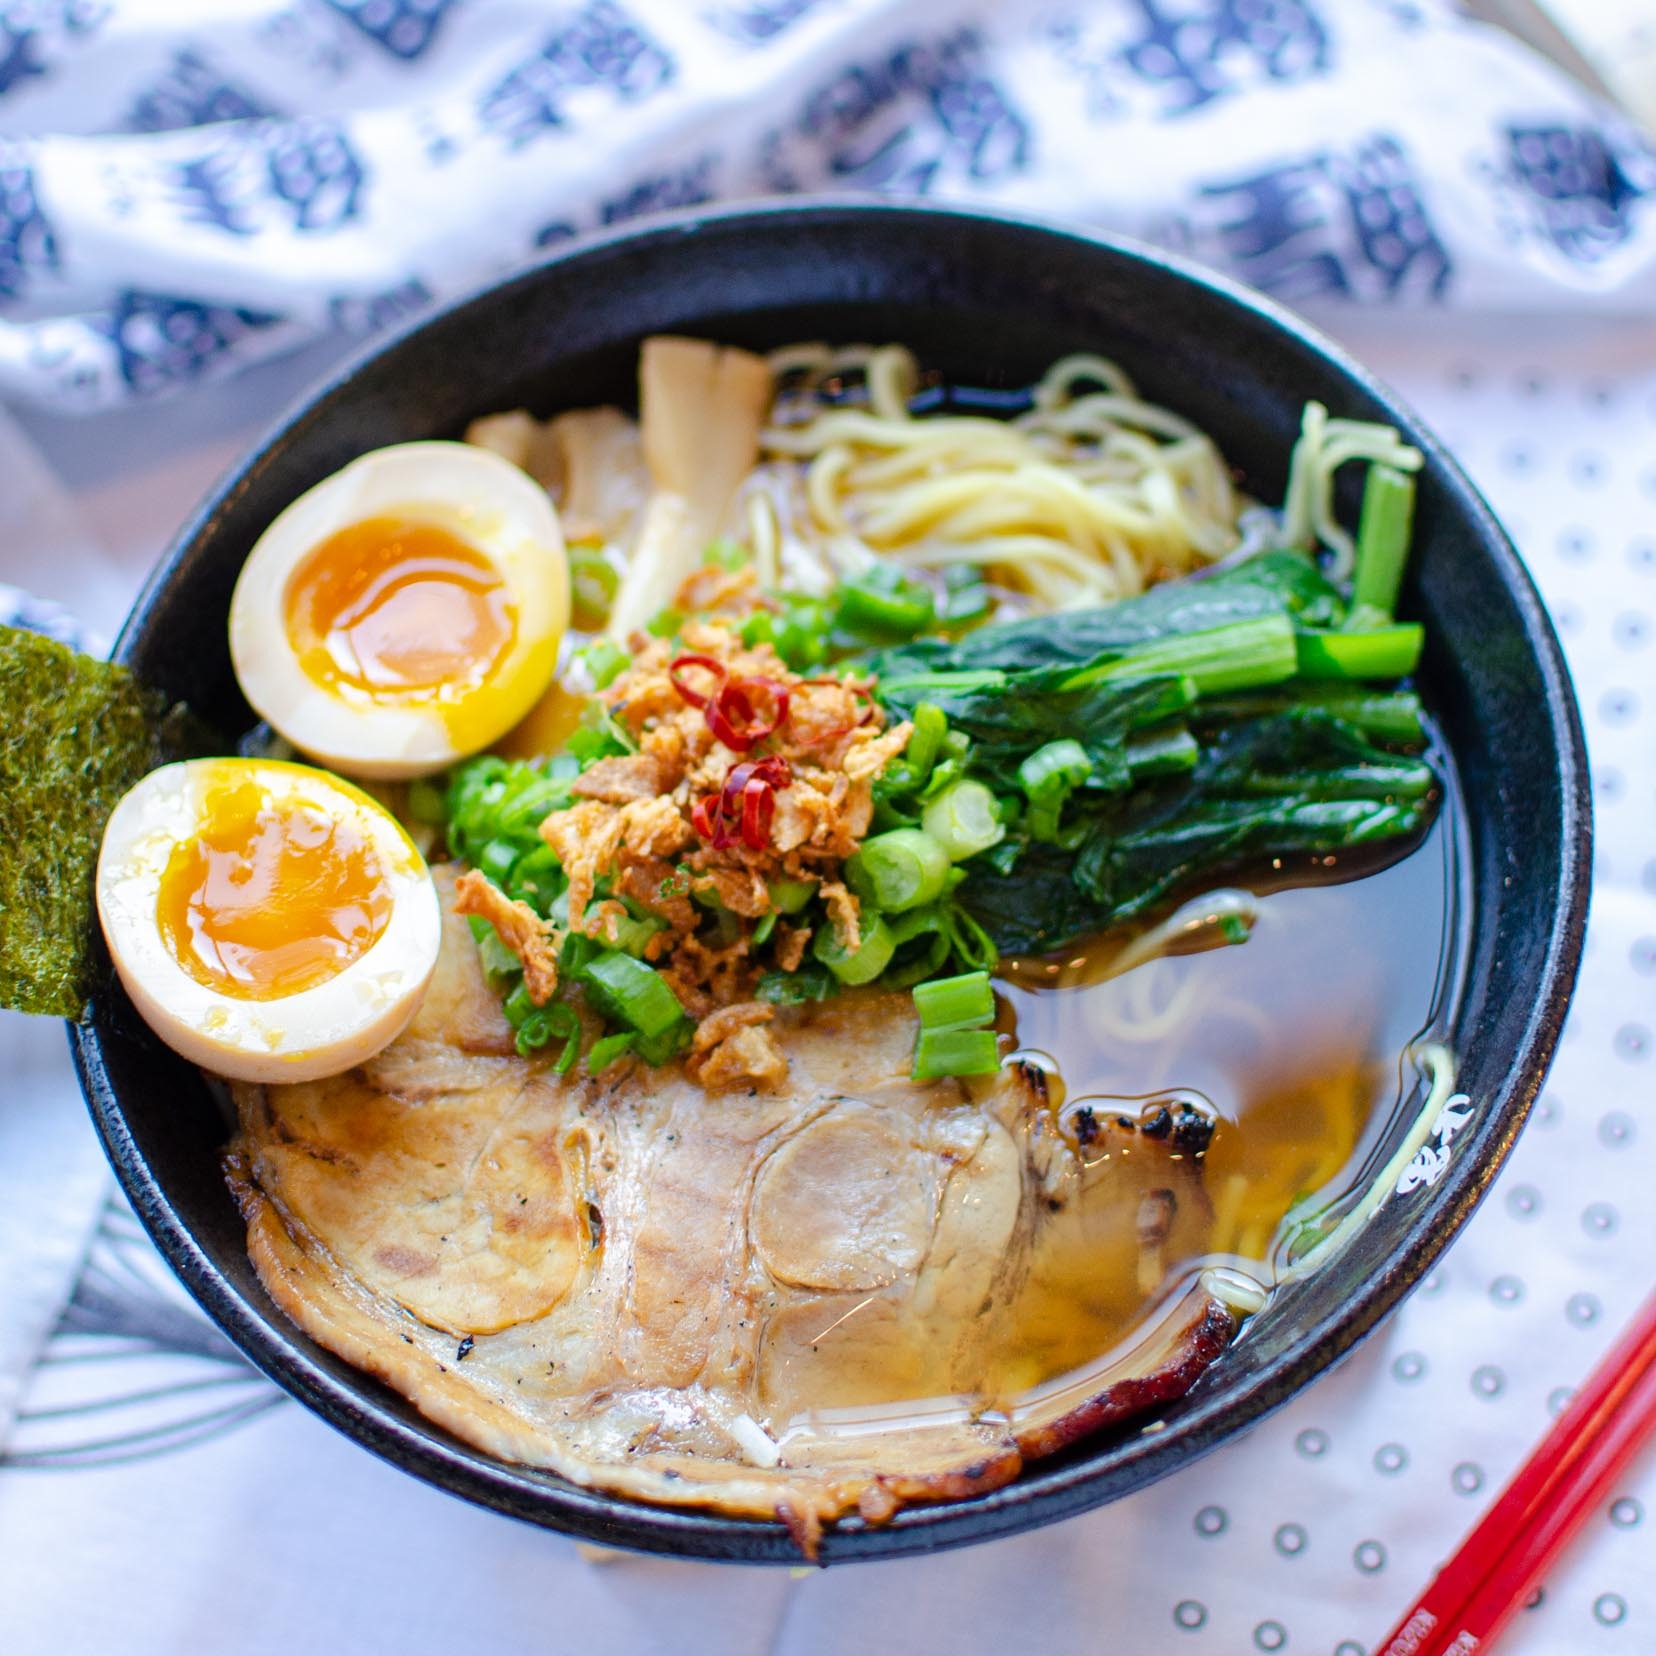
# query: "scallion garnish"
626,991
604,660
924,937
518,1006
924,746
555,1021
606,1050
944,1052
1382,543
964,1002
963,820
593,583
1049,776
899,870
790,896
864,963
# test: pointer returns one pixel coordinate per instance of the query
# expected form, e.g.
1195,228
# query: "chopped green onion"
527,807
762,931
882,604
962,1002
812,982
659,1049
605,1051
923,939
973,946
593,583
538,880
942,1052
899,870
930,727
499,963
790,896
1381,652
952,754
626,991
963,820
557,1020
665,623
1383,540
599,737
604,660
518,1006
633,931
577,951
865,962
496,859
1049,776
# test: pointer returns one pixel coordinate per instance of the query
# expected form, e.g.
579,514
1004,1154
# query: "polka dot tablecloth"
1308,1536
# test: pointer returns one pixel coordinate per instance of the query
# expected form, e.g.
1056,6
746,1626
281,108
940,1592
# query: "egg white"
319,1031
478,497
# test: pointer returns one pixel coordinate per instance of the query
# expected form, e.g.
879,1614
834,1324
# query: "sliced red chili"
708,664
745,806
707,818
758,808
735,720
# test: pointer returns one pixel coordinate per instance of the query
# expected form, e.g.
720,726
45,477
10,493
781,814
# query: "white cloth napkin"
183,191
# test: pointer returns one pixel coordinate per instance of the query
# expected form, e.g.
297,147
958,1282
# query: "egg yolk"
271,897
399,611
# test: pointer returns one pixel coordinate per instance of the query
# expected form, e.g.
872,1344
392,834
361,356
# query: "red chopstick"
1474,1595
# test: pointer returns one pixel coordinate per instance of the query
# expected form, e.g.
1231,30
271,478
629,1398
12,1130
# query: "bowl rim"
1046,1490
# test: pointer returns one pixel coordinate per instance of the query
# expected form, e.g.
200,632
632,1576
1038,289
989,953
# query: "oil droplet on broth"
398,610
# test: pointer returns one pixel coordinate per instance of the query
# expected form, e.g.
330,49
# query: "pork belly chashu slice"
723,1301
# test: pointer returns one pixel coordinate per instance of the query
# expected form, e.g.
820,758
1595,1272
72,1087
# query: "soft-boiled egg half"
269,921
405,612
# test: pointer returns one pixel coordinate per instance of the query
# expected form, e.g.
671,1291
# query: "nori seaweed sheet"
75,734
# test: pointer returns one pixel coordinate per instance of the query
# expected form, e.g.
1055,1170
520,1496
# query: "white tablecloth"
214,1516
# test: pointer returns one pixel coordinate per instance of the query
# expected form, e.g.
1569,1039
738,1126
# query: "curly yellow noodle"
1089,496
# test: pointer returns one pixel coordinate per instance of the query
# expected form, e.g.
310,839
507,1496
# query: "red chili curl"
694,697
744,807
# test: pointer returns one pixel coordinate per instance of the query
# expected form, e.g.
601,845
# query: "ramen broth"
1294,1041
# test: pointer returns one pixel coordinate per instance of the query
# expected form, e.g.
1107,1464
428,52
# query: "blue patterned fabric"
182,193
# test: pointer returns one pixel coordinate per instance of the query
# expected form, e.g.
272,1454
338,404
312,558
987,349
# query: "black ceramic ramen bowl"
991,302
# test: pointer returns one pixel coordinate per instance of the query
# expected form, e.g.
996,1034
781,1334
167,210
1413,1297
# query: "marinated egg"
269,921
405,612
